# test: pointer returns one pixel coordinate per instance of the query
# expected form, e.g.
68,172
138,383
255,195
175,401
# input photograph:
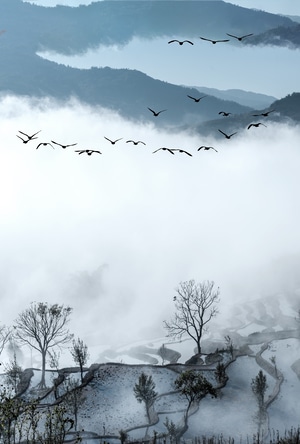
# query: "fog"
112,235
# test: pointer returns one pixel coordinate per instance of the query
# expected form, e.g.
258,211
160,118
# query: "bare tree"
42,327
5,335
195,306
80,354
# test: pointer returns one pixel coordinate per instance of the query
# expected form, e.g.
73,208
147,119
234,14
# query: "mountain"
30,28
288,36
72,30
285,110
245,98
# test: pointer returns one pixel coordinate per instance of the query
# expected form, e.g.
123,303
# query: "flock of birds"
26,138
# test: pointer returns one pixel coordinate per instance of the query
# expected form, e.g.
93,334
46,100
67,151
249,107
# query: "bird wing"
161,111
108,139
171,41
224,134
251,124
231,35
56,143
233,134
24,134
191,97
21,138
203,38
247,35
226,40
34,133
186,152
188,41
152,110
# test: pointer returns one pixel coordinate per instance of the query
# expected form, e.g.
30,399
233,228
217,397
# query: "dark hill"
30,28
72,30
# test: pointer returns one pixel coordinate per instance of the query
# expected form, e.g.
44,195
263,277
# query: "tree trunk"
42,383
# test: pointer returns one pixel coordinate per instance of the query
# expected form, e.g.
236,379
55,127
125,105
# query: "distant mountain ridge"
30,28
245,98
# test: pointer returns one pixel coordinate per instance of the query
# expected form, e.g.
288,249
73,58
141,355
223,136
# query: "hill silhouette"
30,28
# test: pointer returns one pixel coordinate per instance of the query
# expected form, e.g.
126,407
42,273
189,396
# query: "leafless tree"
43,327
80,354
5,335
195,306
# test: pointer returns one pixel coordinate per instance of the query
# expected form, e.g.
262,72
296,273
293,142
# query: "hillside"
265,335
288,36
30,28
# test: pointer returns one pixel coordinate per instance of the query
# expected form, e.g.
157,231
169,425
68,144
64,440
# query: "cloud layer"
112,235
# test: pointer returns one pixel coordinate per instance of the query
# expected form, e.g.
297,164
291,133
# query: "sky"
113,234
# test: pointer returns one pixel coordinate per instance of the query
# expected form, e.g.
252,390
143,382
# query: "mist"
112,235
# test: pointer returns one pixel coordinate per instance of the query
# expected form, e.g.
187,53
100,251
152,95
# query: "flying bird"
25,140
135,142
181,42
224,113
207,148
240,38
214,41
88,152
113,141
182,151
28,136
63,146
264,114
165,149
228,136
44,144
256,125
156,113
196,99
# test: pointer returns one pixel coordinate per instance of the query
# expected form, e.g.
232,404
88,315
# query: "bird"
182,151
196,99
228,136
265,114
88,152
214,41
135,142
181,42
113,141
44,144
165,149
63,146
224,113
156,113
25,140
240,38
256,125
28,136
207,148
